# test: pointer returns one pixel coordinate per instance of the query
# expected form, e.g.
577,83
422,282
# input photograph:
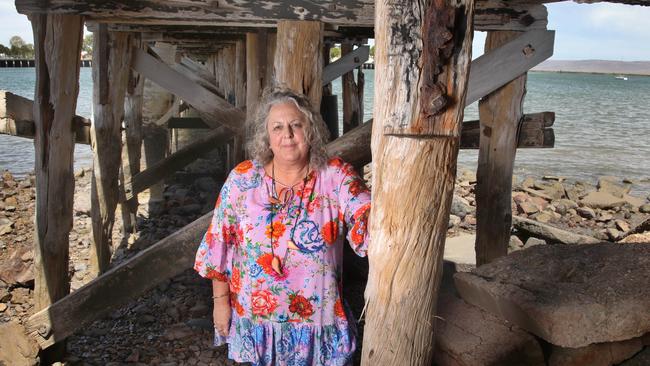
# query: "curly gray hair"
316,132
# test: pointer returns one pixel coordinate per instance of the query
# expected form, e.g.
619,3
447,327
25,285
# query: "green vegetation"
335,52
372,51
87,46
17,49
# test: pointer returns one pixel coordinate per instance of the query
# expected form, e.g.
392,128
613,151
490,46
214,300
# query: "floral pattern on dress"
296,317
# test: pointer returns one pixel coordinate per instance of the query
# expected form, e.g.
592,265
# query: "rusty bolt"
528,50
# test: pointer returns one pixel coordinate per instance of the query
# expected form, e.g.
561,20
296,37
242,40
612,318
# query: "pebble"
645,208
532,241
3,307
586,212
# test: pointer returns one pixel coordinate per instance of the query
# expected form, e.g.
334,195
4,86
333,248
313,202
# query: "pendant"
292,245
275,264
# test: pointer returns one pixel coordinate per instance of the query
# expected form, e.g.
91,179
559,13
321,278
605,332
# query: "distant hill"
596,66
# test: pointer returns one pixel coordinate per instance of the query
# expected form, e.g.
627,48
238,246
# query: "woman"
275,245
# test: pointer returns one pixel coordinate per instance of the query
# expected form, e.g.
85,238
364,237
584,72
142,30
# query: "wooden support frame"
351,103
106,140
345,64
413,173
499,113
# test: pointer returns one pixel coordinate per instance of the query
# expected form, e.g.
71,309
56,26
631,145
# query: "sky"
583,31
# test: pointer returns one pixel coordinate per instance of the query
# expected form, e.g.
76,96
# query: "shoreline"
588,72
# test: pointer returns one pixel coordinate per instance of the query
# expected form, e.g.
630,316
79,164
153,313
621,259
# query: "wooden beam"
256,61
214,109
490,14
413,178
170,256
345,64
17,119
499,66
533,132
57,44
132,146
107,141
298,64
499,113
351,107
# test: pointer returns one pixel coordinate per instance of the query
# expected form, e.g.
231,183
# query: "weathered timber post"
112,51
499,114
237,154
156,101
419,102
256,62
298,61
57,47
132,147
329,102
351,108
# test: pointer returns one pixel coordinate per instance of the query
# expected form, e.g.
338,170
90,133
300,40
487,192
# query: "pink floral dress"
296,317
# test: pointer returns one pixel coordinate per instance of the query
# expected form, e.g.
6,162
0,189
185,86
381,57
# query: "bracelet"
220,296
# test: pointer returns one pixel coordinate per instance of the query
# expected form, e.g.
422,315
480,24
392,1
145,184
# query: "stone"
550,233
469,336
528,182
15,271
539,194
200,323
611,185
633,201
612,233
453,221
586,212
11,201
178,331
598,354
568,203
645,208
605,216
571,296
554,190
532,241
460,207
199,309
543,217
6,229
640,359
603,200
514,243
20,295
461,249
3,307
133,357
527,207
16,348
636,238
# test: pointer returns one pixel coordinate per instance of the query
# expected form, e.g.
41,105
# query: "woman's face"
286,126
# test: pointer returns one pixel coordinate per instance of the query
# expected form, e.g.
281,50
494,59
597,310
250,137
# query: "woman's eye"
277,128
296,125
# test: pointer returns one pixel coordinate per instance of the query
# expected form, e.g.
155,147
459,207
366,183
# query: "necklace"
279,201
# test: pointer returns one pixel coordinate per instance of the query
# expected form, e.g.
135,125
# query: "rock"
532,241
633,201
554,190
637,238
460,207
603,200
461,249
514,243
15,271
178,331
200,323
529,182
16,348
645,208
571,296
568,203
622,225
3,307
6,229
554,178
605,216
561,209
543,217
192,208
199,309
469,220
11,201
527,207
468,176
612,233
586,212
539,194
469,336
206,184
133,357
599,354
20,295
640,359
453,221
549,232
610,185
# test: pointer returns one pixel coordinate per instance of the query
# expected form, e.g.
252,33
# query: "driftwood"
499,113
413,178
550,233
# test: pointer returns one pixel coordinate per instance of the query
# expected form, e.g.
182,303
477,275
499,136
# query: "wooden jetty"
215,58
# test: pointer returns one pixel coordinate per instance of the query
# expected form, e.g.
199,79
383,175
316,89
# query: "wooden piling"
419,102
112,51
351,108
298,62
500,113
57,45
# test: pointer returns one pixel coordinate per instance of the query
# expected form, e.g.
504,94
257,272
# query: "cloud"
625,19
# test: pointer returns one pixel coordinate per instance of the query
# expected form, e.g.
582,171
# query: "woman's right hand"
221,316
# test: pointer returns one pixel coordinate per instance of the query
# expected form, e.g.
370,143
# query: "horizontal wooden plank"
187,122
17,118
345,64
497,67
489,14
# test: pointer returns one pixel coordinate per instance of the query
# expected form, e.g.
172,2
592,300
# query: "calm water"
601,127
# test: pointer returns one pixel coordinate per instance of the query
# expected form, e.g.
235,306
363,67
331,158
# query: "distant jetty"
4,63
596,67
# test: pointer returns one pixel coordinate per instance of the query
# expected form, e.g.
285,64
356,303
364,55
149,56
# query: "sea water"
602,125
